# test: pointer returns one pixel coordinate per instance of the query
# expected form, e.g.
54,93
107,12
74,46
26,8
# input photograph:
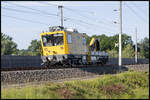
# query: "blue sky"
91,17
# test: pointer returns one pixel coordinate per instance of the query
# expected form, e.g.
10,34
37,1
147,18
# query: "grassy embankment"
131,84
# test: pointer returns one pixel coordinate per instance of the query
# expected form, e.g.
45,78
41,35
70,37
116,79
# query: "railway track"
50,67
58,67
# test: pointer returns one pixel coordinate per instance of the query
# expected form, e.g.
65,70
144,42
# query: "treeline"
107,43
9,47
111,45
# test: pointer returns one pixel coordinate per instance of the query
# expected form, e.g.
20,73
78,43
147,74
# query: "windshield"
53,39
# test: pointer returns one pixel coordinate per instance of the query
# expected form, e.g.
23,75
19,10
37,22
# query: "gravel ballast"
26,76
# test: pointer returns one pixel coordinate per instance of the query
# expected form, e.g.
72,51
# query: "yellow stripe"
92,41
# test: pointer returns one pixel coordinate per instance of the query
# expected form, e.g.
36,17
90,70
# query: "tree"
144,48
125,41
128,52
34,48
23,52
108,42
104,41
8,47
113,53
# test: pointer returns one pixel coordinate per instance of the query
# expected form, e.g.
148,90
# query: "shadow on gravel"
19,77
99,70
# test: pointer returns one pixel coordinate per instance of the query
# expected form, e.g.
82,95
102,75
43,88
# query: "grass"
127,85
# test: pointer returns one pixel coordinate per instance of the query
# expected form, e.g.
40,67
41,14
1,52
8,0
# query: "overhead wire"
138,8
22,11
63,7
87,26
49,14
46,3
140,17
95,23
81,21
91,24
78,14
75,12
133,4
31,21
33,9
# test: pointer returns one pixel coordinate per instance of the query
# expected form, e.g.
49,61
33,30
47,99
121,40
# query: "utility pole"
136,46
120,44
4,47
61,15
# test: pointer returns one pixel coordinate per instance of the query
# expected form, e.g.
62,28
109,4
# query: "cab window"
69,39
83,40
53,39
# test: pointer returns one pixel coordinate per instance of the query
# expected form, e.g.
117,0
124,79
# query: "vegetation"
113,53
144,52
34,49
127,85
8,47
108,42
128,52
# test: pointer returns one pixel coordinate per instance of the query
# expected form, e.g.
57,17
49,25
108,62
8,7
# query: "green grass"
127,85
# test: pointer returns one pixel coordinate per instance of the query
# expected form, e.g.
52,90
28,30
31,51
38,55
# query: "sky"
25,20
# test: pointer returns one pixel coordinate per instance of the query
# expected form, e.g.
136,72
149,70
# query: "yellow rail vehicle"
69,47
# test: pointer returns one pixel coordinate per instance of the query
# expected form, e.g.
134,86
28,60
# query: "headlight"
49,58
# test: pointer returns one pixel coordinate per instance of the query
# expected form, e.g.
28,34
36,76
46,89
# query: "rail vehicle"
66,46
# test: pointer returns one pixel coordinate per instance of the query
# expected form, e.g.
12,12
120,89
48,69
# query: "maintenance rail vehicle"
66,46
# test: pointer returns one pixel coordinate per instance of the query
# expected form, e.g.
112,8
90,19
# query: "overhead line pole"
61,15
136,46
120,44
